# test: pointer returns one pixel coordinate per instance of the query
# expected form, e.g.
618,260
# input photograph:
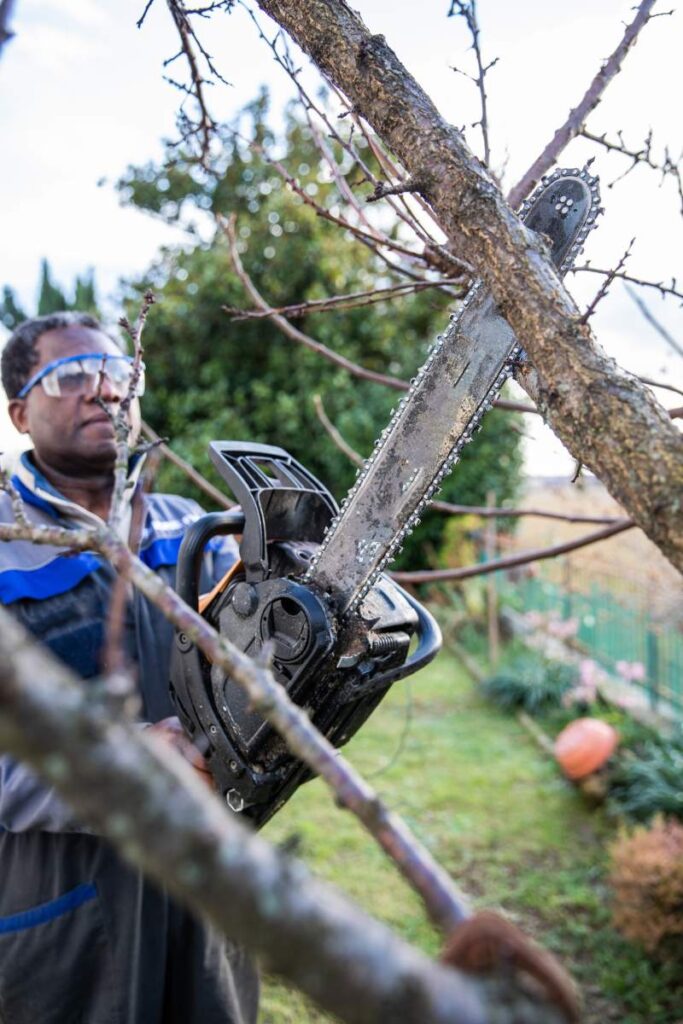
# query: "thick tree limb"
575,121
141,795
604,416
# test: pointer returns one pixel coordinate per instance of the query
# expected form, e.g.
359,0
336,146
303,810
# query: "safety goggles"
82,375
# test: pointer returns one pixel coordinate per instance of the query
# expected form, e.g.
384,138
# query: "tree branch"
511,561
142,796
603,416
575,121
442,901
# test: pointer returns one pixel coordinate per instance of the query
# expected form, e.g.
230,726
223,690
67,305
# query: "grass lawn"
496,813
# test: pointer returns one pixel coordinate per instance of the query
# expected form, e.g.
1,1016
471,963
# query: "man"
84,939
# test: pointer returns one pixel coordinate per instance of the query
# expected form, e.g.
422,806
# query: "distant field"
497,814
629,564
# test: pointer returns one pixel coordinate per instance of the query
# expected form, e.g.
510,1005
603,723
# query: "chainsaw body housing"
337,668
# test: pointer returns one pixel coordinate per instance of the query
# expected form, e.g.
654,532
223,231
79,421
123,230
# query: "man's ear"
18,413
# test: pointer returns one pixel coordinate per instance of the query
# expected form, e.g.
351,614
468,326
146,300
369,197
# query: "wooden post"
492,595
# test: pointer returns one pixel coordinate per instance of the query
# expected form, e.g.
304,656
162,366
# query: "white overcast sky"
82,95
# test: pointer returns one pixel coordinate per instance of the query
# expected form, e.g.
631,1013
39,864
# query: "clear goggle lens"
84,376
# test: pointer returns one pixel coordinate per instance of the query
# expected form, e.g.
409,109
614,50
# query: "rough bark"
143,797
604,416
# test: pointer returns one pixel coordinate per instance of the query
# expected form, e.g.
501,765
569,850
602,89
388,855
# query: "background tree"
211,378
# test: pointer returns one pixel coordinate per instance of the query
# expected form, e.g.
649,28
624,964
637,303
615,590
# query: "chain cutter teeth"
514,356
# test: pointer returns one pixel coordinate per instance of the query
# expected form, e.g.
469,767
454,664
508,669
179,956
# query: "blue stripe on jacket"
48,911
61,574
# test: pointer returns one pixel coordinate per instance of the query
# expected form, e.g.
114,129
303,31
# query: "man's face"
73,434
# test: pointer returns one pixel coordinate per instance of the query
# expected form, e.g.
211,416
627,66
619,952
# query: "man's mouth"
98,419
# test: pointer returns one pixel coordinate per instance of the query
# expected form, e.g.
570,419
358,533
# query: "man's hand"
171,731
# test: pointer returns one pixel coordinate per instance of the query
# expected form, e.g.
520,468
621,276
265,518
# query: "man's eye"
75,381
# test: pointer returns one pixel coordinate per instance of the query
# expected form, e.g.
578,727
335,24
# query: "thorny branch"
121,419
660,286
605,286
467,9
190,47
577,117
667,166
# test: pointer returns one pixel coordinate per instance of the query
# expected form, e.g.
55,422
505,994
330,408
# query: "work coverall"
85,939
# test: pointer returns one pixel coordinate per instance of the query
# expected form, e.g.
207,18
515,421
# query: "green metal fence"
611,631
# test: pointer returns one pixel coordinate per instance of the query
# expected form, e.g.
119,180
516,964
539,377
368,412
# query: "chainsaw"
310,585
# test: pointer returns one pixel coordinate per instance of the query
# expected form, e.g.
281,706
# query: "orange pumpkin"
584,746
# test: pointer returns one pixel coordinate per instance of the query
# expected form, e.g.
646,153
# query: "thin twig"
353,300
509,562
228,226
468,11
578,115
663,289
667,167
652,320
604,287
121,419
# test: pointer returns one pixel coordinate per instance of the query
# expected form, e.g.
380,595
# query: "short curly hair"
20,356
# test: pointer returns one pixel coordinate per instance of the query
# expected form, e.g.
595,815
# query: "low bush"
649,780
646,875
530,683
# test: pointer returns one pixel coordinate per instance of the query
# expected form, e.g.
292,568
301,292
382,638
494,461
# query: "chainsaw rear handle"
197,536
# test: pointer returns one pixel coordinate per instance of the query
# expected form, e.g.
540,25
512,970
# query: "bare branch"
336,436
228,227
190,45
336,302
524,558
663,289
604,287
652,320
467,9
577,117
121,420
667,167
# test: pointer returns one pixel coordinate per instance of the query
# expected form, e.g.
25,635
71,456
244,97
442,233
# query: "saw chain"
443,409
309,586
